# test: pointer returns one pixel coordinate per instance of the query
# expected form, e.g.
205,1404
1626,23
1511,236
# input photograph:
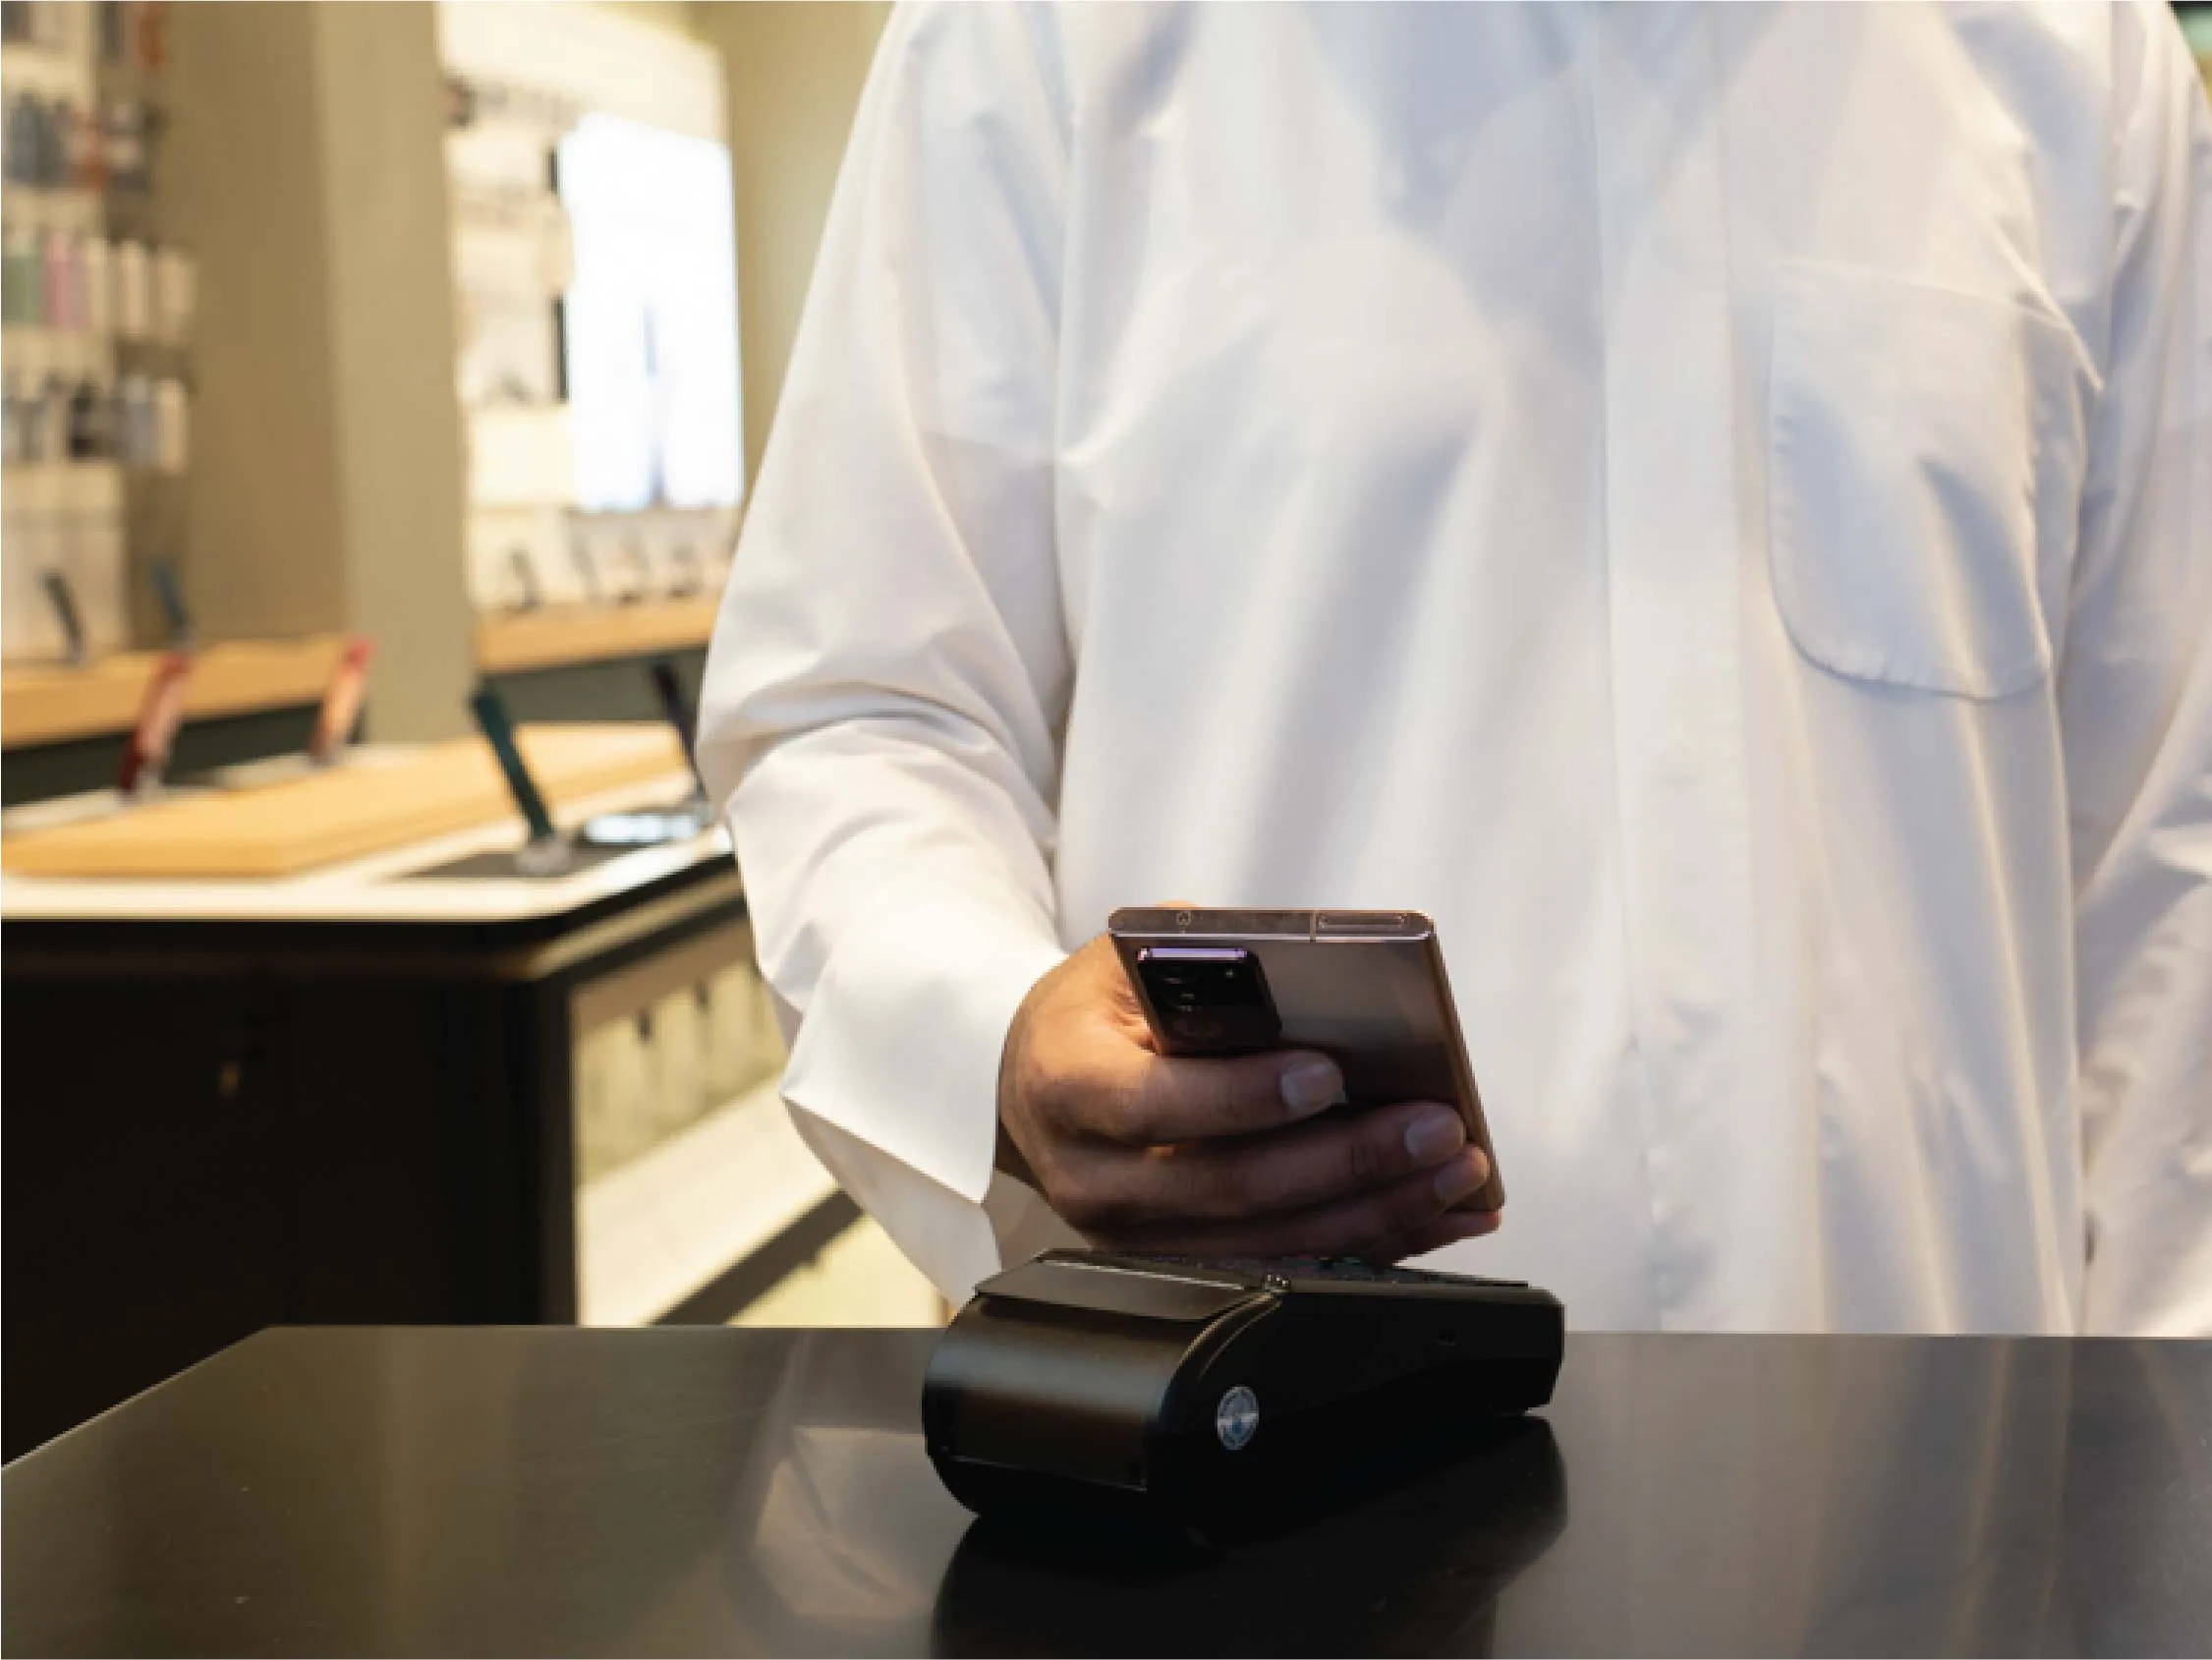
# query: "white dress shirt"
1713,506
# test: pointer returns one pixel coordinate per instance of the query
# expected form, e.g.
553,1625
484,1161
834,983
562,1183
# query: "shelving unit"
101,298
562,635
595,502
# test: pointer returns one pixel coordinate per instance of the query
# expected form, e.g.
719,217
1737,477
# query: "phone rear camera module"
1208,997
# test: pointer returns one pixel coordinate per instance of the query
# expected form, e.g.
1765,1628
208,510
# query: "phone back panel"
1366,988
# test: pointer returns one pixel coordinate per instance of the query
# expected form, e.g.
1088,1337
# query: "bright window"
650,336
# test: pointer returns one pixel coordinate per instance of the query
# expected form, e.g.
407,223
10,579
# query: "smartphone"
340,713
1365,988
676,710
498,729
161,711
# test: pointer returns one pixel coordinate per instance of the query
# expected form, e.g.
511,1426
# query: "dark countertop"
686,1491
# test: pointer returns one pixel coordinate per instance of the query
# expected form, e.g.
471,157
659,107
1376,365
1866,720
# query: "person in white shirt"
1715,506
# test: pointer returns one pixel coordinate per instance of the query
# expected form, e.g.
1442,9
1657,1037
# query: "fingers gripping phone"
1365,988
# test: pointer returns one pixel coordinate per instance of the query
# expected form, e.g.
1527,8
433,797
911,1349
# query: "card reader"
1198,1392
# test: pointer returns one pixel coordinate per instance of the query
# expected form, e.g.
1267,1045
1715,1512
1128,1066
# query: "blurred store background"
383,377
360,359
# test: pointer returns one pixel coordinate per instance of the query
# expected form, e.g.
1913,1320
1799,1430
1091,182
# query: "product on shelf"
80,283
87,422
84,147
58,143
62,521
134,291
23,277
170,448
94,394
99,289
124,136
175,289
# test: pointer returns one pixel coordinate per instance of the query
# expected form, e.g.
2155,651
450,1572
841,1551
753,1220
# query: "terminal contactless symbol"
1237,1418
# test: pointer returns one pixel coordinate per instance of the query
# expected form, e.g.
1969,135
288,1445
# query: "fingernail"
1461,1176
1311,1084
1435,1133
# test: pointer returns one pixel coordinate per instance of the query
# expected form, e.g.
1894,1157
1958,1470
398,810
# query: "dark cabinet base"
211,1128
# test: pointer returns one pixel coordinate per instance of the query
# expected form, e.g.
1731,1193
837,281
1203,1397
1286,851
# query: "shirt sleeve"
2135,709
890,669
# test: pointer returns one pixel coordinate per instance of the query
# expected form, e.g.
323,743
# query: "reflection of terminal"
1420,1568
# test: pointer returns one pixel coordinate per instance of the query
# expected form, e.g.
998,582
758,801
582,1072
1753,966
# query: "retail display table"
685,1491
355,1094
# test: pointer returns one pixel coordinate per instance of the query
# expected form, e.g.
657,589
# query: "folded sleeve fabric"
2135,709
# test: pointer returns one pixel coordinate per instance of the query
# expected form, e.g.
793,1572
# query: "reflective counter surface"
694,1491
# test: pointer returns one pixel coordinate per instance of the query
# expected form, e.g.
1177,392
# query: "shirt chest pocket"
1926,460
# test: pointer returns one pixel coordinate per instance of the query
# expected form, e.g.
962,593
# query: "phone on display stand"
329,744
146,755
657,826
170,594
340,713
676,710
1368,988
547,852
62,598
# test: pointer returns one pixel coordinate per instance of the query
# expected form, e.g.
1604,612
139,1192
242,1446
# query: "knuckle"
1037,1080
1339,1235
1115,1193
1178,1183
1368,1160
1379,1219
1254,1093
1063,1102
1082,1216
1131,1115
1079,1199
1414,1204
1233,1187
1067,1097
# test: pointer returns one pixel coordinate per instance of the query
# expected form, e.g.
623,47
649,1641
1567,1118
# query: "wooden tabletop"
53,702
345,812
559,635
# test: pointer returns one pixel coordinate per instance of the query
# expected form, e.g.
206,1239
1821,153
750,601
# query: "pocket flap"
1906,481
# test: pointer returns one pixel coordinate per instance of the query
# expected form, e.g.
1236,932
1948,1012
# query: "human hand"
1216,1156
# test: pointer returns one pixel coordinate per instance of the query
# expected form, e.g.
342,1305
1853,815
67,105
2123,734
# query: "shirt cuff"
897,1063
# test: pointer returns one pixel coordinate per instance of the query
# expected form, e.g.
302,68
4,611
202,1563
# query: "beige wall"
305,169
794,74
402,472
261,536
